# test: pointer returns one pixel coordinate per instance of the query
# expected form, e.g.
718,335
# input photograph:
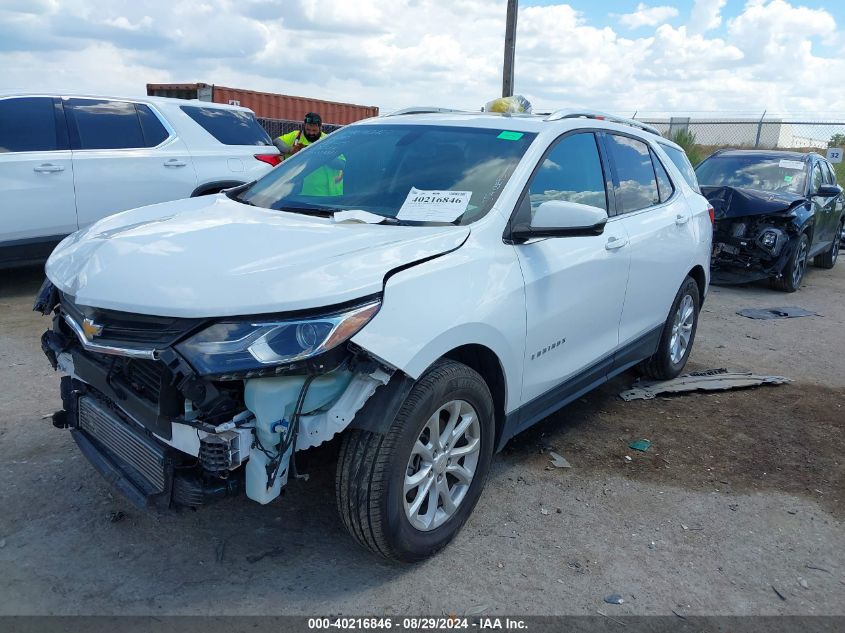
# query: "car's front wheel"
406,493
793,273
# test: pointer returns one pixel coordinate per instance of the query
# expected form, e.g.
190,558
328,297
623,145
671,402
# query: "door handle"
616,242
175,162
681,219
46,168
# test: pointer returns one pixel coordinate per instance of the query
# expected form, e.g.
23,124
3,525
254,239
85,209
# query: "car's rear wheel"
793,273
678,335
406,493
828,259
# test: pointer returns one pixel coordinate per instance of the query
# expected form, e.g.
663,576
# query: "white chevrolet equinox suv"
423,286
67,161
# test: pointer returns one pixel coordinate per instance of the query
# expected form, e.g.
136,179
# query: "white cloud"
408,52
647,16
706,15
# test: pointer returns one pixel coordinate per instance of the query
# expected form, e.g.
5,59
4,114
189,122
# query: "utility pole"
510,46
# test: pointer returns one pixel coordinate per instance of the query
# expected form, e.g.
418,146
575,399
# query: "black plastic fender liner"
378,412
46,299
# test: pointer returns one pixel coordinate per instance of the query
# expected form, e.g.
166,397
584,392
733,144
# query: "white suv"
469,275
67,161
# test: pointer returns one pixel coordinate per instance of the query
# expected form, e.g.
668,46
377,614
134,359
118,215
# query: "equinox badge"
91,329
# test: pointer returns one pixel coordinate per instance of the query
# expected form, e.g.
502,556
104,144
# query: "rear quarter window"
230,127
680,160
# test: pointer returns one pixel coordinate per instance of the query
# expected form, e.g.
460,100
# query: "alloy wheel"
800,264
682,329
442,465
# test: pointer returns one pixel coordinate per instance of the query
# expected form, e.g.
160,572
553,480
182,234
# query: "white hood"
213,257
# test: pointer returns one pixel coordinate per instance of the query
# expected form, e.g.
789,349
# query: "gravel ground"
737,508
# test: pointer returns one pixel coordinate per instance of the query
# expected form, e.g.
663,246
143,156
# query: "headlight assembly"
771,239
245,345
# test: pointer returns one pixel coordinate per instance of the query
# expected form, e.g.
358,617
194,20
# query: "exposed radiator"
135,450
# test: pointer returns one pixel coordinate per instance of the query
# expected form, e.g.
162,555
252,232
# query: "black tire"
796,266
371,468
828,259
661,366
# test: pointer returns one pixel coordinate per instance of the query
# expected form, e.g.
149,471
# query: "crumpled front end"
750,248
754,233
166,433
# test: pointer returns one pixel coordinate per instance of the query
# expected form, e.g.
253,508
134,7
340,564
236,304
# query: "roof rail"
601,116
421,110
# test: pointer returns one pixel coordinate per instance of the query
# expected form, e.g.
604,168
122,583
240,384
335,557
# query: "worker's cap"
313,117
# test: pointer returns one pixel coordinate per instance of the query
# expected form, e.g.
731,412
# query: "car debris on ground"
558,461
116,517
709,380
640,445
775,313
780,595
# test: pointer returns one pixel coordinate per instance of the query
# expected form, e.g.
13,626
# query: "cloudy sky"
785,56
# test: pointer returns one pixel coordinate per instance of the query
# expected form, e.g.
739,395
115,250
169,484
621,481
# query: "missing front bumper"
147,472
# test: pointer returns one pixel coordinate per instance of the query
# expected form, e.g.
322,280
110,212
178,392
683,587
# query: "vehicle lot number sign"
834,154
434,206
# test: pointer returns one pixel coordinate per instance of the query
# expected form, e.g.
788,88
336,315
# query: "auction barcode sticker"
791,164
434,206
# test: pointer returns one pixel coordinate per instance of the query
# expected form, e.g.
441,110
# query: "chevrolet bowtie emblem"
91,329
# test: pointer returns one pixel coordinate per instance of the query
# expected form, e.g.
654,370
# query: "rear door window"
152,129
28,124
635,184
230,127
104,124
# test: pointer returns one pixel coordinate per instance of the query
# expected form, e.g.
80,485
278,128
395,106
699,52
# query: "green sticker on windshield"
510,136
787,178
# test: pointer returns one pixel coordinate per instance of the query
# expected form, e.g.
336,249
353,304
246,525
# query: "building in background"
267,105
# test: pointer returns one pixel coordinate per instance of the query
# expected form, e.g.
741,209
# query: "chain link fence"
277,127
702,137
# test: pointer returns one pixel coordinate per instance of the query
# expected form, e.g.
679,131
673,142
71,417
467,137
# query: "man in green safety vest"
325,180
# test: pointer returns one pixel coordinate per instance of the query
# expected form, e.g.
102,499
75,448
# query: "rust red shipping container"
272,106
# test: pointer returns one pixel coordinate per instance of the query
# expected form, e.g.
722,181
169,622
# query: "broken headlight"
771,240
243,345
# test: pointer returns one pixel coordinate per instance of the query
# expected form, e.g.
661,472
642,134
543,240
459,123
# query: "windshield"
784,175
411,173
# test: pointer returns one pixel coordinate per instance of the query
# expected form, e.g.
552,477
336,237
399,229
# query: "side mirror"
828,191
561,218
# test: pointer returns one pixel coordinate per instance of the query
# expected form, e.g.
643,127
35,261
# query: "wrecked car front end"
755,232
180,411
194,368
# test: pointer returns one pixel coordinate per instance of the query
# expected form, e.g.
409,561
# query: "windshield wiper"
322,212
395,221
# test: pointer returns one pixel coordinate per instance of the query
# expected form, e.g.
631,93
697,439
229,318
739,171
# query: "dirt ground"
737,508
